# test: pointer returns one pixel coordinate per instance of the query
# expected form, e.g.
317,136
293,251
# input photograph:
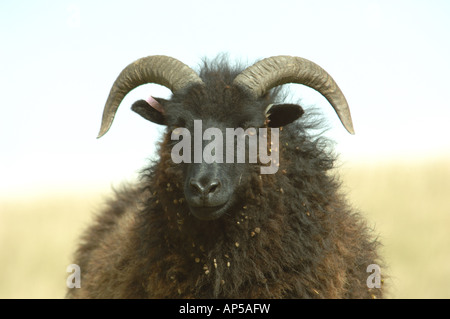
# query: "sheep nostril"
196,187
213,187
205,189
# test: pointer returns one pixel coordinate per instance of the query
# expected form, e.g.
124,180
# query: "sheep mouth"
209,212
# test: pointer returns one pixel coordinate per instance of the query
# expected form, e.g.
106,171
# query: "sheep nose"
204,187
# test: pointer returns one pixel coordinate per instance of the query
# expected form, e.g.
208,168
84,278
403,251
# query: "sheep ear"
151,109
283,114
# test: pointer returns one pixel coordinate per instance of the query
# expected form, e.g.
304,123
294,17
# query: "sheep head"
201,108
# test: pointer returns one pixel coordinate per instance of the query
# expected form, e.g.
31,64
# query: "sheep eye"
180,122
246,124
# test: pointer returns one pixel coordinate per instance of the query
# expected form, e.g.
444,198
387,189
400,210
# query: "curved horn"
278,70
159,69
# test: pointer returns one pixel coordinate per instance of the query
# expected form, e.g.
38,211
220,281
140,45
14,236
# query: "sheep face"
216,134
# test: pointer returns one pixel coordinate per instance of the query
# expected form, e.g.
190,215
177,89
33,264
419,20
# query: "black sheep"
224,230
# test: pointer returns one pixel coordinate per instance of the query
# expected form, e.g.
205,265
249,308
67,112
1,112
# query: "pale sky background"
58,60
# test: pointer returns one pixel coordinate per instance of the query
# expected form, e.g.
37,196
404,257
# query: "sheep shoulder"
106,255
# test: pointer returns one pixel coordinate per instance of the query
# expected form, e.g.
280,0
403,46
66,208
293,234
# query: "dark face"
211,143
215,168
210,186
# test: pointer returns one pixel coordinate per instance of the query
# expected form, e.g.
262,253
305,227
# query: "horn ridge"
159,69
277,70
